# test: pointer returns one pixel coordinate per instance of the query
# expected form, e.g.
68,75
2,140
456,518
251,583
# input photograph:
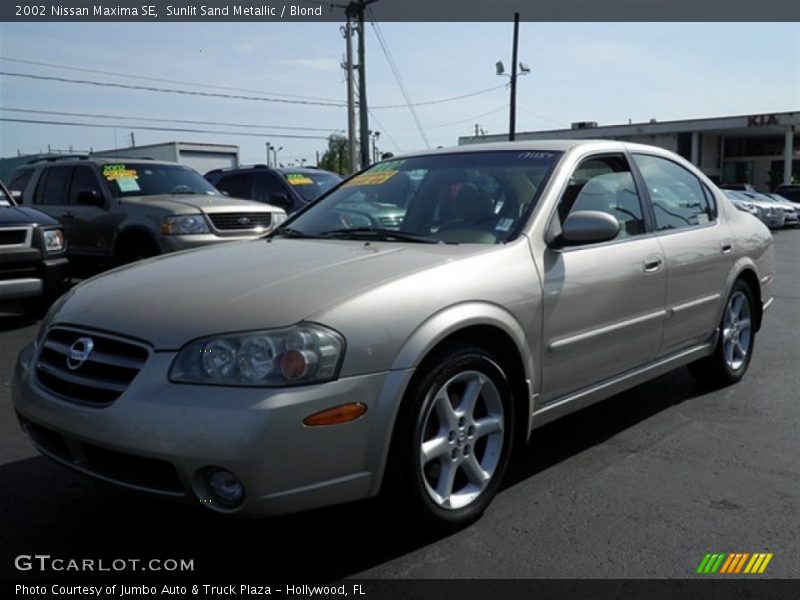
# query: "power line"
157,120
160,80
332,103
153,128
171,90
393,66
443,100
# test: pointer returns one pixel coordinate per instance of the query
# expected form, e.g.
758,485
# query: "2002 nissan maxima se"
335,358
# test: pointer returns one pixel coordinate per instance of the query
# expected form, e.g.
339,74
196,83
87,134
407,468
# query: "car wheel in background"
452,440
136,249
735,343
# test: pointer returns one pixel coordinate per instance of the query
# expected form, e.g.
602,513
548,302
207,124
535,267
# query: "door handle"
69,214
726,247
652,264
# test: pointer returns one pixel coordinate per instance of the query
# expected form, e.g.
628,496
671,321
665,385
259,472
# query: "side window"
236,186
83,180
679,199
52,187
265,186
20,180
606,184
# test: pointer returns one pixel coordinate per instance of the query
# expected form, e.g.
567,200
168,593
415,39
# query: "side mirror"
588,227
281,200
89,198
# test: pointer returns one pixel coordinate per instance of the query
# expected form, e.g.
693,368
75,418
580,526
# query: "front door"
603,302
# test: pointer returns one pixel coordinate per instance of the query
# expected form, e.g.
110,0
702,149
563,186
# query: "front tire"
735,343
453,439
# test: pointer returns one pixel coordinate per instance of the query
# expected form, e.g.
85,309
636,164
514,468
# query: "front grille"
14,237
137,471
240,221
100,379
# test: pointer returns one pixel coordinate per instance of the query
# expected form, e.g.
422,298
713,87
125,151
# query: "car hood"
172,299
21,215
191,203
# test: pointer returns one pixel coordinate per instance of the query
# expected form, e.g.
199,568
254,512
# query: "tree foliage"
336,158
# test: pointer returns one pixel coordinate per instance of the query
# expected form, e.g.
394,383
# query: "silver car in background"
770,213
339,359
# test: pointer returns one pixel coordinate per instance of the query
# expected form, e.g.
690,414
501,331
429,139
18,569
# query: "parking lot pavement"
641,485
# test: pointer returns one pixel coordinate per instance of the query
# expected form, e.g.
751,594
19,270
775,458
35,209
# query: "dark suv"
33,262
290,189
120,210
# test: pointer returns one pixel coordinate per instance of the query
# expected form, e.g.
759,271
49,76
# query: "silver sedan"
337,359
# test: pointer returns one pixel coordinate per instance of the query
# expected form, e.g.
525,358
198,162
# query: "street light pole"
512,122
268,147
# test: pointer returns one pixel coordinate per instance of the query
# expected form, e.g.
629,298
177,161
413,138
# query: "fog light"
225,487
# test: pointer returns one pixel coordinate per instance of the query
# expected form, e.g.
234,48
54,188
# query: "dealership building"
763,150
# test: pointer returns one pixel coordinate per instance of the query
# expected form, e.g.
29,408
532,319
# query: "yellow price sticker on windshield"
371,178
299,179
114,172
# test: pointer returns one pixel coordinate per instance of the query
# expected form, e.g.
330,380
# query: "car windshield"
469,197
147,179
310,184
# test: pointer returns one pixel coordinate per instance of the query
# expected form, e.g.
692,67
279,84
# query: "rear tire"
735,341
452,440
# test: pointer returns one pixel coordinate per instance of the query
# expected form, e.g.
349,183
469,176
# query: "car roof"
96,160
263,167
554,145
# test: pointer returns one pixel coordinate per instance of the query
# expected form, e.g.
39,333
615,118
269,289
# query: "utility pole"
356,8
351,97
512,124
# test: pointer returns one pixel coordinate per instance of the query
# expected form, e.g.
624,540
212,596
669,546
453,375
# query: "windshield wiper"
379,233
290,233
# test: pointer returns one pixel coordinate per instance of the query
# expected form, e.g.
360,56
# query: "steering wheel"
181,188
352,219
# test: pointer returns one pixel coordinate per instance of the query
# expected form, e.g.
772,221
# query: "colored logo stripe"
734,562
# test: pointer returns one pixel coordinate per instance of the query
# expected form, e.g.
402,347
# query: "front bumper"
160,436
174,243
23,274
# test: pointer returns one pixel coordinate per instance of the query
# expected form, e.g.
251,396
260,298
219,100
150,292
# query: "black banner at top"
399,10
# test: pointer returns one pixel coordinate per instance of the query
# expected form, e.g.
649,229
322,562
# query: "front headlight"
54,241
306,353
278,218
184,225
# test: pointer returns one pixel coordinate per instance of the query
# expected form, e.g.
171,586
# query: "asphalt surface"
639,486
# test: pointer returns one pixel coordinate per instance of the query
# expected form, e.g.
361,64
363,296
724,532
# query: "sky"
604,72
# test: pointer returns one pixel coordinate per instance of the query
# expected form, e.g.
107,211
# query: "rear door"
698,249
603,302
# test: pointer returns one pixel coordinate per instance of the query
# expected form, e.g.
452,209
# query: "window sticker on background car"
371,178
113,172
127,184
299,179
702,218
